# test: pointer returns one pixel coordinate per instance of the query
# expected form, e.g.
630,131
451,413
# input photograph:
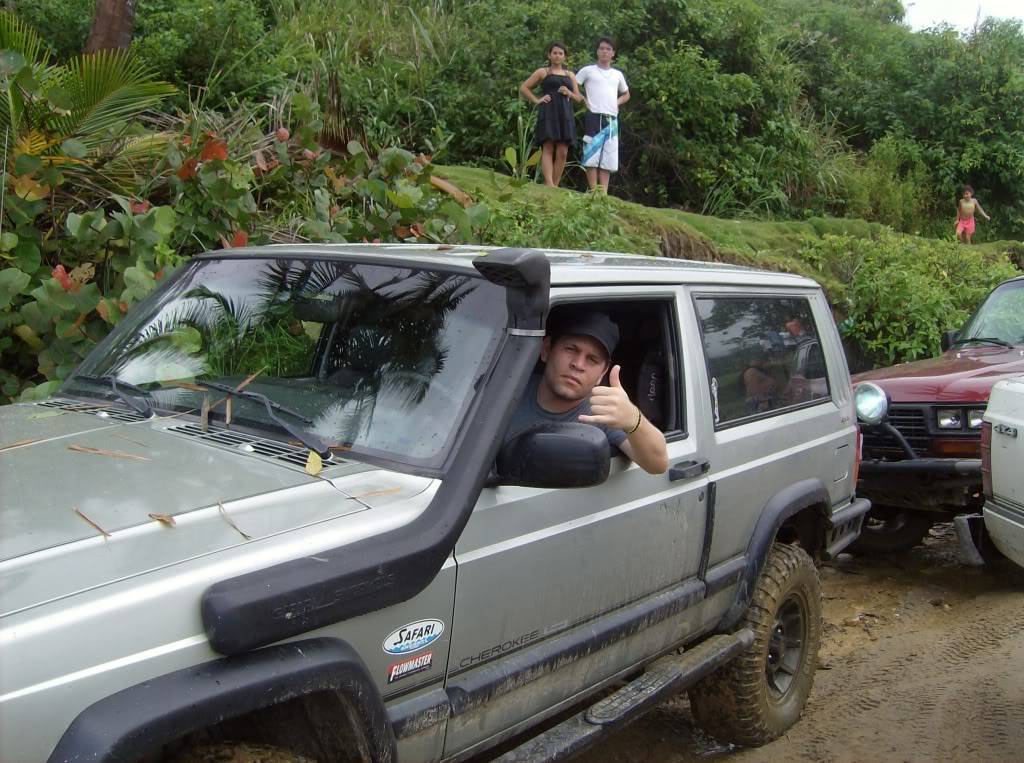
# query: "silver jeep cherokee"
273,514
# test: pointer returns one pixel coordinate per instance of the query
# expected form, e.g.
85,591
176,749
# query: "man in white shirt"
606,90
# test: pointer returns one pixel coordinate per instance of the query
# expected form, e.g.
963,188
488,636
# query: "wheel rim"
786,646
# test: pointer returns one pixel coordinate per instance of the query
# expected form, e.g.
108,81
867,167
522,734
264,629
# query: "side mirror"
948,337
555,455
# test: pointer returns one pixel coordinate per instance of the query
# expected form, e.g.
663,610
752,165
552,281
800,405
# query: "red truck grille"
910,422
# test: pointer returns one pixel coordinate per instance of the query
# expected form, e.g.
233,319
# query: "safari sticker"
413,637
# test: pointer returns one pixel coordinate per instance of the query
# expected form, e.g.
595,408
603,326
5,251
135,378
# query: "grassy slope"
770,245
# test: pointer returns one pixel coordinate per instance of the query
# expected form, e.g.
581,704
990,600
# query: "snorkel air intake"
294,597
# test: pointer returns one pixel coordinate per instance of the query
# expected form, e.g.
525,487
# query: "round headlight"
871,403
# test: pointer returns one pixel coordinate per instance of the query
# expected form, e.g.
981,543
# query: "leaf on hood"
224,513
227,412
128,439
314,464
248,379
18,444
176,383
102,452
94,525
384,491
165,519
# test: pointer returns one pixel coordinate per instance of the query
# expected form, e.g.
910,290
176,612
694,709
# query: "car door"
539,570
794,429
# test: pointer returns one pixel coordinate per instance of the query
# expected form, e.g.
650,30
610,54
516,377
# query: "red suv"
922,460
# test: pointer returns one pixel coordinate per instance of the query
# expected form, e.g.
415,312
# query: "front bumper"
946,485
1005,525
932,467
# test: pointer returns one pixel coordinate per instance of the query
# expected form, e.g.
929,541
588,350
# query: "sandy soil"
922,660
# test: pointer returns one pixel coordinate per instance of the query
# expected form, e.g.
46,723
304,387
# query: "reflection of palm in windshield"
369,353
385,337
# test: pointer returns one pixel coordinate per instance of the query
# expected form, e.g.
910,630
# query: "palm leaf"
116,168
106,89
16,35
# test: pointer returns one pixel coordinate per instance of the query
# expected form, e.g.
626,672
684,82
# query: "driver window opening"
646,352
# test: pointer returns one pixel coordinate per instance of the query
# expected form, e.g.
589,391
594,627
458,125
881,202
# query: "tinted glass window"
1001,316
763,355
373,359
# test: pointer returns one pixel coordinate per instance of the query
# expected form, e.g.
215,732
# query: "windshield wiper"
308,439
984,339
143,408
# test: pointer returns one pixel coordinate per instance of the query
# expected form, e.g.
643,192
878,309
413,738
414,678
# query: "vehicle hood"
963,375
72,519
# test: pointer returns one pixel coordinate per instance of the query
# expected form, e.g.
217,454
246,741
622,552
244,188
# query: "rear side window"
763,355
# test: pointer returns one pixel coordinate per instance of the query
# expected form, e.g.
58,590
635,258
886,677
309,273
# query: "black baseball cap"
590,323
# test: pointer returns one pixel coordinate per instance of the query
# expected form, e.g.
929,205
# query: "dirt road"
922,660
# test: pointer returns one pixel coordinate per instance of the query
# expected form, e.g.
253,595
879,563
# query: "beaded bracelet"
639,420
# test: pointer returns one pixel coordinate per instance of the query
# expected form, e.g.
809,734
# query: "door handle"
686,469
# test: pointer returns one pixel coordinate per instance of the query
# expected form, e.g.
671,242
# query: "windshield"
1000,317
368,358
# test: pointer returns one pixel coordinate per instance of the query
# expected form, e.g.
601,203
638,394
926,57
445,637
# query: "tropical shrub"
767,108
64,25
901,292
892,185
958,98
52,315
375,66
226,49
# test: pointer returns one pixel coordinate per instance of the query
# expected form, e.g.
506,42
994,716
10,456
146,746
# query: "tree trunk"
112,25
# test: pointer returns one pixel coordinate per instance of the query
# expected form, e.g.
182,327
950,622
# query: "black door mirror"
554,455
948,337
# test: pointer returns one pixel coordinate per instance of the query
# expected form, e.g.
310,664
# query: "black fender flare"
780,507
138,720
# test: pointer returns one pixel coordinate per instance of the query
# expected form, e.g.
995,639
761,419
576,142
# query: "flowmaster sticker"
409,666
413,637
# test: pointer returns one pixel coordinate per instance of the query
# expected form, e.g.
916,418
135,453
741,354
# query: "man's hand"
611,406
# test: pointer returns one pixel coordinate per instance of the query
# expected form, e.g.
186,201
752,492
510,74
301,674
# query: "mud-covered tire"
889,530
760,694
238,752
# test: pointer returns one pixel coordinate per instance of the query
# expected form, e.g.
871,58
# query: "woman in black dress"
556,121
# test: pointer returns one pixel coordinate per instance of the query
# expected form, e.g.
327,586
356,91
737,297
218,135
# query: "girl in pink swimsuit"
965,209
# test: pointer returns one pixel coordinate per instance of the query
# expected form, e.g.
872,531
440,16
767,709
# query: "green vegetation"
929,285
799,136
743,108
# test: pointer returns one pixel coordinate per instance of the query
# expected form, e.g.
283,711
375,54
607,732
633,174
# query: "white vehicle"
1002,453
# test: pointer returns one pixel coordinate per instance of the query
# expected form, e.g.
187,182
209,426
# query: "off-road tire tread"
731,704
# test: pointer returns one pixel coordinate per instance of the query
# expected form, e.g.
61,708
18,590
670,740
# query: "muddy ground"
922,660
